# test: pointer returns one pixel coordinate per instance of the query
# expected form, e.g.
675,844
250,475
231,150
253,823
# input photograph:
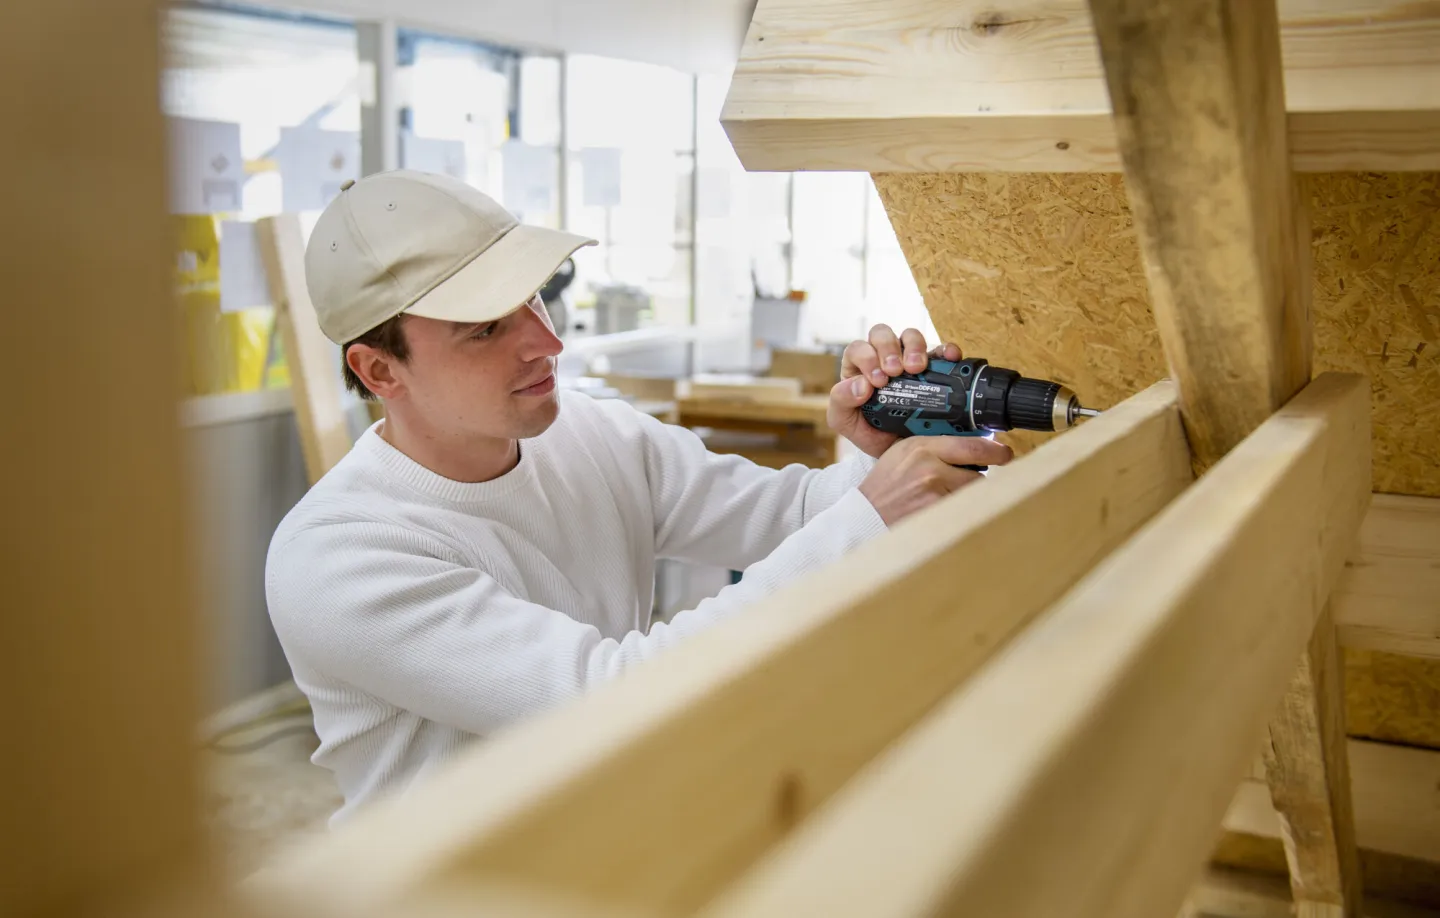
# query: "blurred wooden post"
99,635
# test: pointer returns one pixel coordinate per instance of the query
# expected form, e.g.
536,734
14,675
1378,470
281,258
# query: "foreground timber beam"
942,86
655,791
1199,103
1085,770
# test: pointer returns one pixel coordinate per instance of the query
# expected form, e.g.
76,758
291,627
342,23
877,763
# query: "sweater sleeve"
723,509
392,613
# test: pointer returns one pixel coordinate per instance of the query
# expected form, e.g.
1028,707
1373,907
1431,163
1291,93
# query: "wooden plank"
972,86
1199,102
803,409
1130,709
1198,114
1223,893
1308,773
1389,598
1397,801
314,374
741,387
1389,876
654,791
818,371
98,635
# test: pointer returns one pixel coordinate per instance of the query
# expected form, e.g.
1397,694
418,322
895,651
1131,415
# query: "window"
265,73
631,161
826,234
265,117
488,116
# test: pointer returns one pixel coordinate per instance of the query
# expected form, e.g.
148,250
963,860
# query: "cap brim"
502,278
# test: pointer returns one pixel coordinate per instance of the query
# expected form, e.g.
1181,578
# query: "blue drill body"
969,398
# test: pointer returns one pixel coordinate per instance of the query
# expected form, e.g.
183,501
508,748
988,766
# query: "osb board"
1392,698
1042,273
1388,876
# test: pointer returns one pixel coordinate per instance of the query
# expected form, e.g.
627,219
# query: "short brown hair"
388,338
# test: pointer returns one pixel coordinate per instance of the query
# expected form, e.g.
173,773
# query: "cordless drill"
970,398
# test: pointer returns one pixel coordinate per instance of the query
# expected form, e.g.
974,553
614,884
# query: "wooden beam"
1100,749
98,635
1199,102
1389,598
1224,893
1198,99
971,86
314,373
1308,772
1397,801
654,791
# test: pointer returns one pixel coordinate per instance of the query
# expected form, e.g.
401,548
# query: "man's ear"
376,370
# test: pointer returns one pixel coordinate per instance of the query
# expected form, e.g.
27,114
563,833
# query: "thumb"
853,391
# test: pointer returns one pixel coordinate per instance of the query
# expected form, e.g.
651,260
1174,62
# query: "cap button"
345,185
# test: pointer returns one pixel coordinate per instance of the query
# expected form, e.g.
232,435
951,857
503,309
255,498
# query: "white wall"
696,36
245,474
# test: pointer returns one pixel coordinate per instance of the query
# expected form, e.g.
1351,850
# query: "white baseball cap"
428,245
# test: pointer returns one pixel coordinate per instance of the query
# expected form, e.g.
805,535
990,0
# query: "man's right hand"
918,471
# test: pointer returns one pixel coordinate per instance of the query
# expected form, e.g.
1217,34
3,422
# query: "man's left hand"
868,365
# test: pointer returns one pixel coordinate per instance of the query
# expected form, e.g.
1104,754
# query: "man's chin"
540,413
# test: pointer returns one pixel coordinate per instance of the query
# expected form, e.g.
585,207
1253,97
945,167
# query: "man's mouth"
543,386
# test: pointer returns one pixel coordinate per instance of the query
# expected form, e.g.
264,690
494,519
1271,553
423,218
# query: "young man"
488,550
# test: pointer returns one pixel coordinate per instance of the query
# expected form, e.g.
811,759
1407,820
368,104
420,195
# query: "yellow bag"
225,351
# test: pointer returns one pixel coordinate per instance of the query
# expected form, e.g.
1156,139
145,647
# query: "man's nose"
539,339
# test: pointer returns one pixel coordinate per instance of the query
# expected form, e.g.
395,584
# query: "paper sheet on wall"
314,164
531,174
600,176
243,284
207,170
429,154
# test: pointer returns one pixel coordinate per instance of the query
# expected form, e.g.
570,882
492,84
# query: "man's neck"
469,460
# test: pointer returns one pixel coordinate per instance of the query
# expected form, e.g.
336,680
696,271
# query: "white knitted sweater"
418,613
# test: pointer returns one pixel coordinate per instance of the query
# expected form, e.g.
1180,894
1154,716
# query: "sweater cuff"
858,516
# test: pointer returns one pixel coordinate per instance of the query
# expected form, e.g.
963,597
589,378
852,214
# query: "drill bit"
1088,412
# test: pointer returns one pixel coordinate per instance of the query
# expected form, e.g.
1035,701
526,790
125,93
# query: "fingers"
948,351
912,344
861,360
887,348
968,450
956,478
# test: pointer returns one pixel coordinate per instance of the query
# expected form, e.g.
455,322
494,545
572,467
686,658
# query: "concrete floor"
261,790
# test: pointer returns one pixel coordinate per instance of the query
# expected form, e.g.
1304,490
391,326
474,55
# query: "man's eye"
484,331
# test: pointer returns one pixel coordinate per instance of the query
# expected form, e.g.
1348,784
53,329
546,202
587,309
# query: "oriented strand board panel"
1041,272
1392,698
1377,310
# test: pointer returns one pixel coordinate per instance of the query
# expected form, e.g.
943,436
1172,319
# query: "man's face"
493,379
